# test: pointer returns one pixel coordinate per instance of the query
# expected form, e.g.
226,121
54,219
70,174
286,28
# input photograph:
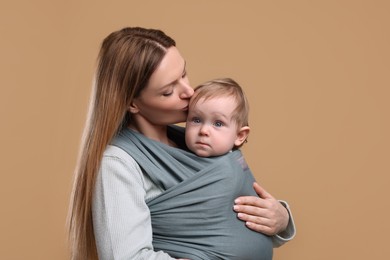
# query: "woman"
142,85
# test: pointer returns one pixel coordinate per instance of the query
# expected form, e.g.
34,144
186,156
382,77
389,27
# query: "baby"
217,121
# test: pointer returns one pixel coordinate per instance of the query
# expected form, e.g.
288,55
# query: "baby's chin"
204,153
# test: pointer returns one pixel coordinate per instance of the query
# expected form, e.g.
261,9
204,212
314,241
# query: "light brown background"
316,73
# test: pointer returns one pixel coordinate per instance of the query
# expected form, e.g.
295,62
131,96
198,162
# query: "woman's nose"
186,90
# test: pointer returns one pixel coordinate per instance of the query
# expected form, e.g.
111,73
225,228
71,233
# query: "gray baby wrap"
194,218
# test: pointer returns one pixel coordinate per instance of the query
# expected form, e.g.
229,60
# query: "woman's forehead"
169,70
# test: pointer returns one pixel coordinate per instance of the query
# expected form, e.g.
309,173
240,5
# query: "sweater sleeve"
121,218
289,233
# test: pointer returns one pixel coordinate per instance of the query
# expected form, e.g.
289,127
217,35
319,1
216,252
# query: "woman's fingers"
261,191
262,214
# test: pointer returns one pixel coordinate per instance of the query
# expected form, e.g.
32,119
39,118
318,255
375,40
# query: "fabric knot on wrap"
193,217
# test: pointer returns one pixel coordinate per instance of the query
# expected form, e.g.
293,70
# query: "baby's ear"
242,135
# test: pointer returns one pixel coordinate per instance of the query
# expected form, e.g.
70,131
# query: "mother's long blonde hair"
126,61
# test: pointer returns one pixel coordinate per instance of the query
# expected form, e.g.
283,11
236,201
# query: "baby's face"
210,130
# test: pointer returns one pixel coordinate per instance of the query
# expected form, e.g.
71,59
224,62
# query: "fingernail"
235,207
239,215
237,201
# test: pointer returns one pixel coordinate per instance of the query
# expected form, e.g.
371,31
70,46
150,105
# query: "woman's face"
166,97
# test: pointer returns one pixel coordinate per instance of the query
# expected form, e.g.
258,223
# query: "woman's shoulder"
116,157
113,151
117,163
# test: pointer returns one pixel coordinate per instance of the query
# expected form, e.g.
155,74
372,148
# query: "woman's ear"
133,108
242,135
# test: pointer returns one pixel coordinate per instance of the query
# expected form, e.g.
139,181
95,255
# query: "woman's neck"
154,132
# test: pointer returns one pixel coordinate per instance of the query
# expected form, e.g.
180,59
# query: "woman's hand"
263,214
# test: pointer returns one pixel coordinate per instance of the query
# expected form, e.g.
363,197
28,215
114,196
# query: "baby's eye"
196,120
218,124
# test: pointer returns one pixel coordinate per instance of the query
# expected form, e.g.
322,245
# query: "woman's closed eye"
167,91
167,94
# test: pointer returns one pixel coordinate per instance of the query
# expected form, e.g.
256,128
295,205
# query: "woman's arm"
267,215
121,218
